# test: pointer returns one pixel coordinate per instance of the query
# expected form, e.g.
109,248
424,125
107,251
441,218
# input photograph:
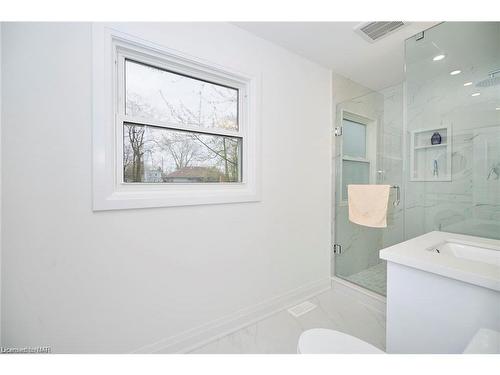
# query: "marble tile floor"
279,333
373,278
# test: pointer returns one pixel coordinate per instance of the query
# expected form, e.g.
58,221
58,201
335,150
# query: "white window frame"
110,49
371,148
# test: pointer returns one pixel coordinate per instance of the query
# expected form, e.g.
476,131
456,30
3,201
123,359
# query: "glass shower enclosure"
436,135
453,89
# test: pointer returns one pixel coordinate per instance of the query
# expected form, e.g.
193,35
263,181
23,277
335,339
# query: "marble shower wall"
469,203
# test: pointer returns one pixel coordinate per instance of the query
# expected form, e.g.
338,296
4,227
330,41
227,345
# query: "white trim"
108,191
196,337
355,117
363,295
180,127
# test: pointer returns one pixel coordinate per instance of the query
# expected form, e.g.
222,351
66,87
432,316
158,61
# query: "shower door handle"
398,195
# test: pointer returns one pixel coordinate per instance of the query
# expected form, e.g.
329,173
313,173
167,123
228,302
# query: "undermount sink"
467,251
469,259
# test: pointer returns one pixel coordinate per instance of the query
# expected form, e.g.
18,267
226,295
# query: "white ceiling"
336,46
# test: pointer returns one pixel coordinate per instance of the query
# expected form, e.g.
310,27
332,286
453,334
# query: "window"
358,150
184,132
161,155
171,151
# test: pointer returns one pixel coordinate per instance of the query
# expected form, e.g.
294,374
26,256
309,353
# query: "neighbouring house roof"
197,172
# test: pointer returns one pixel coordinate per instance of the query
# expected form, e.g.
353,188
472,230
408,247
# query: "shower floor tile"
373,278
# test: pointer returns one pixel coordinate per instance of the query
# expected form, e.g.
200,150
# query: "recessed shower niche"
430,157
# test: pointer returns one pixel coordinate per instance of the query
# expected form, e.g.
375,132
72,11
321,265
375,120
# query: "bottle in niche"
436,139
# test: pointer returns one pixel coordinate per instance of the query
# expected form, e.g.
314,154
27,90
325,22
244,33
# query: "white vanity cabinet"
437,301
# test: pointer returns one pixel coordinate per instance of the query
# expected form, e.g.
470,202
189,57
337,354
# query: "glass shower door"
368,150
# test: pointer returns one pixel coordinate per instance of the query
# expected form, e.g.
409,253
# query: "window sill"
174,196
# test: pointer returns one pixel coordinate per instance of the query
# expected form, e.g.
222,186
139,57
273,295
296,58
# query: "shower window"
354,139
357,150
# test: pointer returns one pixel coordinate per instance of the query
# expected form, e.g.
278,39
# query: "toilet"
328,341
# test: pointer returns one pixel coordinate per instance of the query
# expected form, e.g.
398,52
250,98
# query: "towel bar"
398,195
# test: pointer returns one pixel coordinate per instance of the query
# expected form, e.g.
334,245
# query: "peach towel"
368,204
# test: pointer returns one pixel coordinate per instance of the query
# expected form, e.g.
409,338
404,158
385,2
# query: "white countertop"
413,253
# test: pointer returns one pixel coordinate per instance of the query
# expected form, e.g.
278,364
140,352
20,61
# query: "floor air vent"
373,31
302,308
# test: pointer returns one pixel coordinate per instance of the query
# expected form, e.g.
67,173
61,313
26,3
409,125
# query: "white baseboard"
196,337
371,299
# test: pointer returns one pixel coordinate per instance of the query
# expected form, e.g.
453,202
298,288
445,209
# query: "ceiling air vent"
373,31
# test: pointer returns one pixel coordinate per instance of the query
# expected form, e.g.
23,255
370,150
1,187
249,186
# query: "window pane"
169,97
354,139
354,172
153,154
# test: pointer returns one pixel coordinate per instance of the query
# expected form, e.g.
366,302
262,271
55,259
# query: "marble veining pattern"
468,203
279,333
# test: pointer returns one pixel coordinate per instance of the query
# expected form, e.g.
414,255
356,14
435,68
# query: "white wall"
345,89
82,281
